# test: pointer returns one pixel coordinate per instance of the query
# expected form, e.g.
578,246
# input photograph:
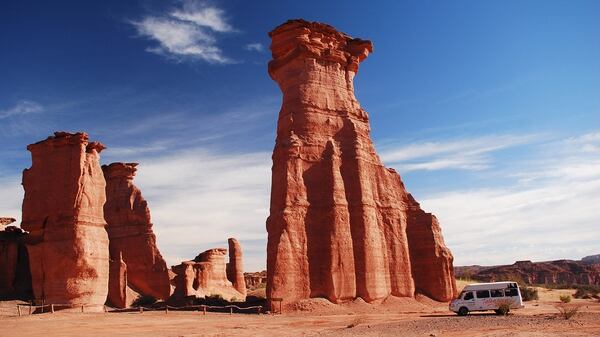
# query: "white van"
487,296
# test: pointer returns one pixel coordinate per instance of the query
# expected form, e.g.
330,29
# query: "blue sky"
490,111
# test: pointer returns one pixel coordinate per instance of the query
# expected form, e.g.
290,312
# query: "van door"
468,300
483,300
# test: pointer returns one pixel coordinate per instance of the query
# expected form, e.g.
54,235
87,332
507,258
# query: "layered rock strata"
205,276
338,219
63,212
130,233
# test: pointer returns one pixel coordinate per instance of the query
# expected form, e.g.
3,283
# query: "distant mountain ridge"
585,271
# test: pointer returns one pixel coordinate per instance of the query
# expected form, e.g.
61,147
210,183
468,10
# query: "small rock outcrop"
338,219
206,276
132,240
235,267
63,212
15,278
256,279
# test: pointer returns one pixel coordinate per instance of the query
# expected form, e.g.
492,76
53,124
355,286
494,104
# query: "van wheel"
463,311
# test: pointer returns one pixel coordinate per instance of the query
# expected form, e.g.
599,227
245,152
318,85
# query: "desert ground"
393,317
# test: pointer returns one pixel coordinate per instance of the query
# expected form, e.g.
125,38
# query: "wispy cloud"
21,108
199,197
187,33
258,47
462,154
550,215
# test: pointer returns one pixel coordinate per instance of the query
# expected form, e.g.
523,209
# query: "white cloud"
258,47
464,154
211,17
21,108
199,198
551,215
187,33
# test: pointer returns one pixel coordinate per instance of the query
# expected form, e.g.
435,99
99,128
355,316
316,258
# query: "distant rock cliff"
586,271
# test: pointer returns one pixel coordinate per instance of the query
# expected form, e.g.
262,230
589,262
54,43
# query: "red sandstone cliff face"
130,233
63,211
338,220
431,260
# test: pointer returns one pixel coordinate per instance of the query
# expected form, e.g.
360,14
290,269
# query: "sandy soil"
393,317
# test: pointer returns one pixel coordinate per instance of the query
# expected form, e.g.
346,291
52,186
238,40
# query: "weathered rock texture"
235,267
130,233
431,260
63,211
15,278
256,279
206,276
338,222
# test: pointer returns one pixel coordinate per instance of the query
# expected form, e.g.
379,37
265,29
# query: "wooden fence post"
204,309
19,309
231,310
30,308
82,308
52,308
141,310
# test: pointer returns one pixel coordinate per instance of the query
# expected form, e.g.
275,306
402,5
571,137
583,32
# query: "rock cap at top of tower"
317,40
118,169
62,138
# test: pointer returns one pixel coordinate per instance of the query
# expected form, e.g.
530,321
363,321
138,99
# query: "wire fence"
30,309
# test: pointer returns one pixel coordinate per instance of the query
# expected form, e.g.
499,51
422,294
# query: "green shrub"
529,293
143,300
565,298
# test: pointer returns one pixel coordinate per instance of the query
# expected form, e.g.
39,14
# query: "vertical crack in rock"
338,219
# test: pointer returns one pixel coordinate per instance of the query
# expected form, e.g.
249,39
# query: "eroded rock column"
130,232
63,211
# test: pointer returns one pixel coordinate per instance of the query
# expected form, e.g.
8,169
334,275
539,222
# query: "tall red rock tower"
132,240
63,211
338,222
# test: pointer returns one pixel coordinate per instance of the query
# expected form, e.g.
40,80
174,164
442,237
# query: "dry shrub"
503,307
567,311
565,298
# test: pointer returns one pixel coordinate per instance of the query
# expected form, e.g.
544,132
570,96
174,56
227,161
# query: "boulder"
130,233
338,219
63,212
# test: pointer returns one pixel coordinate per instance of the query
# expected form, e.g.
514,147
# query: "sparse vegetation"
565,298
214,297
503,308
567,311
529,293
587,291
143,300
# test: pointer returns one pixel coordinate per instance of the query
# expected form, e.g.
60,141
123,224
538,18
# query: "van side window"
497,293
483,293
468,296
511,292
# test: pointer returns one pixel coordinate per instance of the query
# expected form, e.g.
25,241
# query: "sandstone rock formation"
431,260
15,278
206,276
130,233
117,283
338,220
235,267
5,222
255,280
559,272
63,212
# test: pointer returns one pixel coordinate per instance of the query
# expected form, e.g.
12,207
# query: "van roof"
491,285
